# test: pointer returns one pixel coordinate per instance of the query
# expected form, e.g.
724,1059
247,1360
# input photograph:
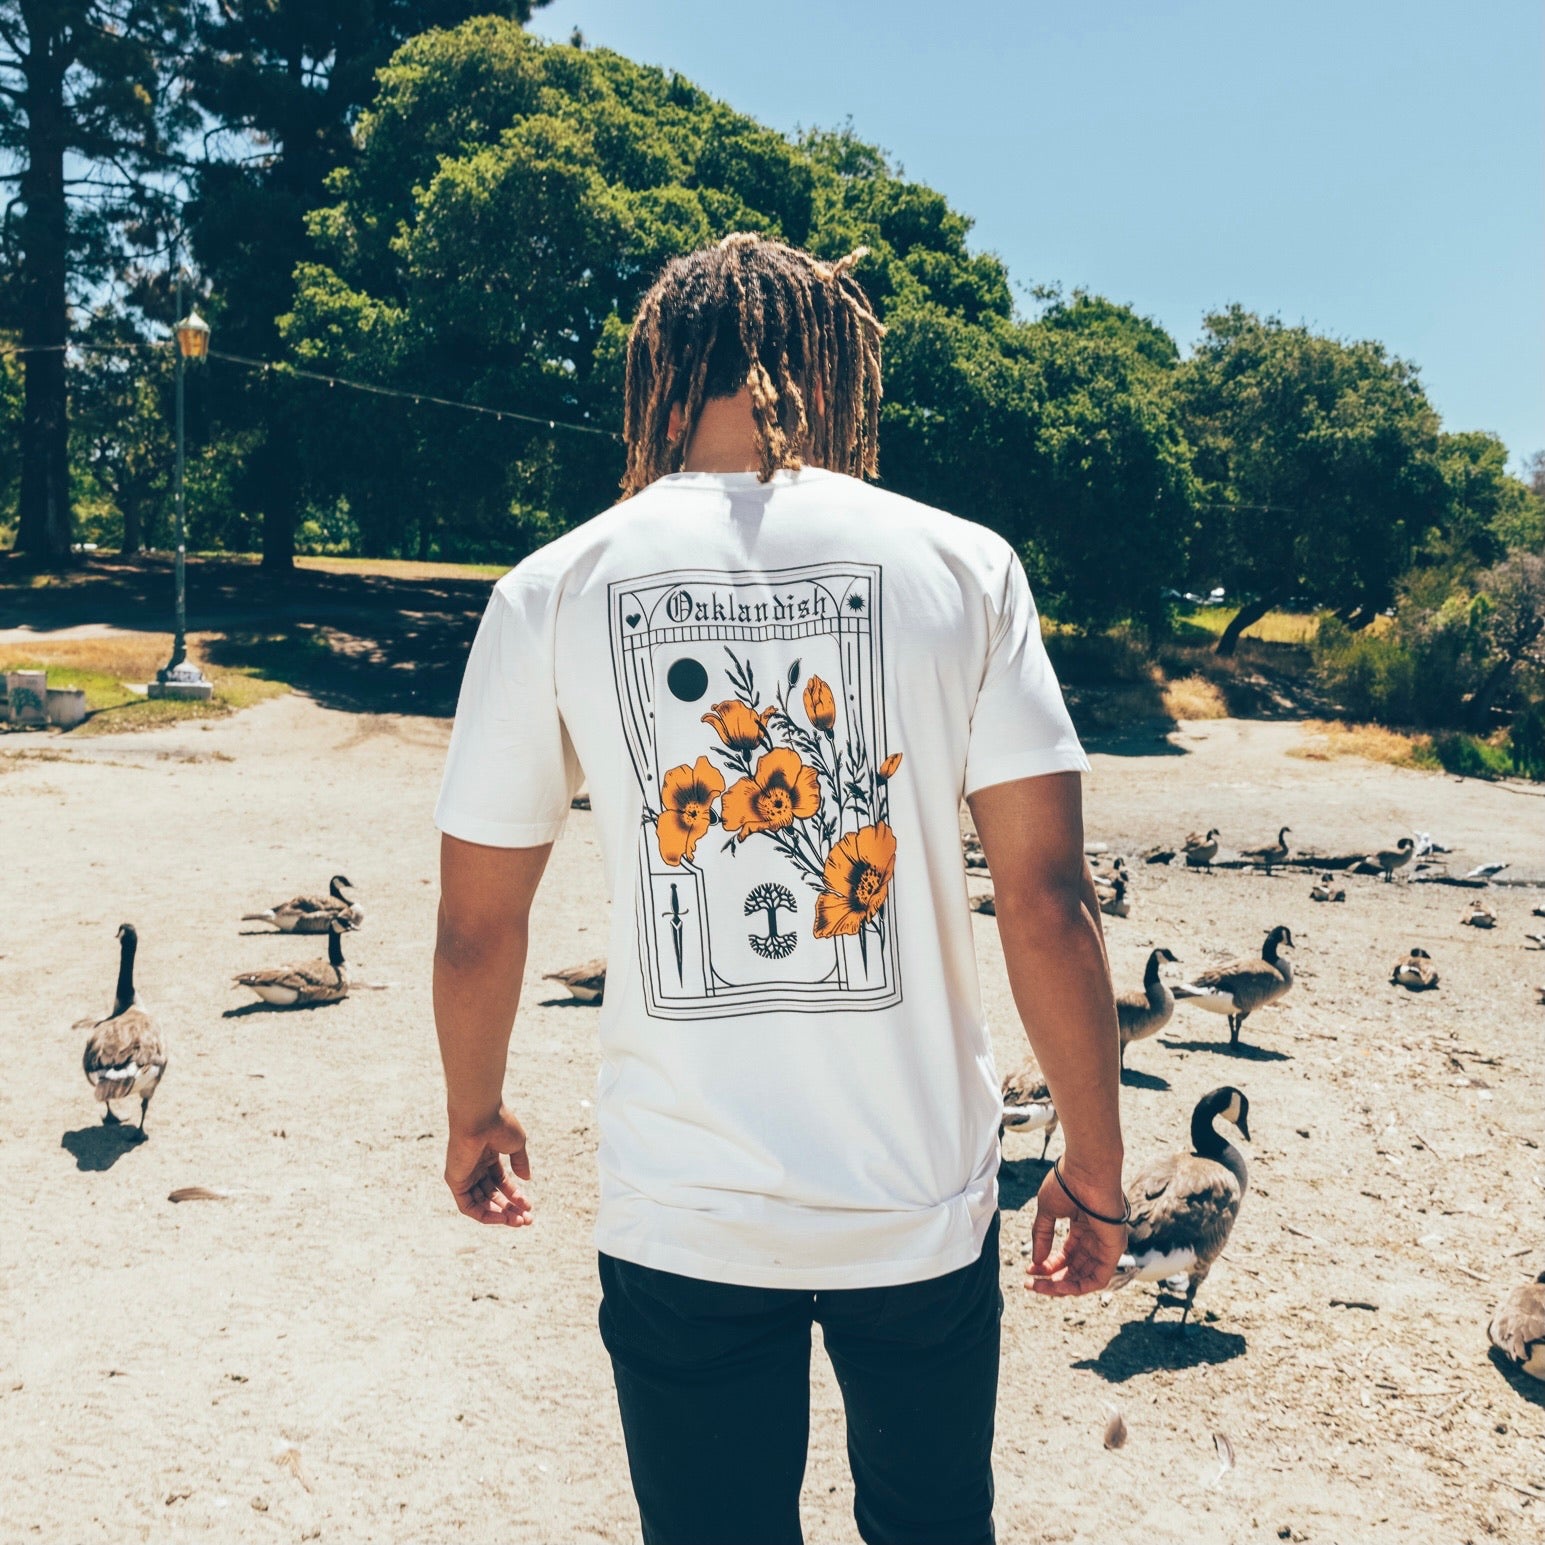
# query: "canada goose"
1275,853
1391,859
971,850
1145,1013
1200,850
1416,971
985,903
1114,902
312,914
125,1054
1537,940
1243,986
1027,1105
1326,889
586,982
1184,1206
1479,915
1517,1328
312,981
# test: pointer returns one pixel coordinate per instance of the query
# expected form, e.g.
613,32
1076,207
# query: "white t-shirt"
777,694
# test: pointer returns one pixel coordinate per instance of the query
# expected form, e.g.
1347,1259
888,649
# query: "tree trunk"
1250,612
44,527
133,526
279,536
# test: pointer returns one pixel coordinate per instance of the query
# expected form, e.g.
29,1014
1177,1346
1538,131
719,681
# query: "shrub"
1370,675
1526,743
1470,757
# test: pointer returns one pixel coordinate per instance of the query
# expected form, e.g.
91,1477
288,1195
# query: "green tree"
86,122
1319,464
284,81
510,201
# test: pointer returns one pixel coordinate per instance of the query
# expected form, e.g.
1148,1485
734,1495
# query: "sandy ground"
334,1354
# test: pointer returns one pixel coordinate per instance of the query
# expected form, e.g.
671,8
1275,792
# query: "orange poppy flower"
820,705
686,797
889,765
781,790
740,726
858,876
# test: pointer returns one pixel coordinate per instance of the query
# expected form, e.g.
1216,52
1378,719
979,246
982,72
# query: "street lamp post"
180,677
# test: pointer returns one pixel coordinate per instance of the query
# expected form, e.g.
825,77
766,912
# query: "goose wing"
308,976
1250,983
1517,1328
1183,1203
591,974
1026,1085
123,1048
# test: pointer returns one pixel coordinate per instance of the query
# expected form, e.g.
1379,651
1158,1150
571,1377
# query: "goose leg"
1045,1142
144,1105
1236,1023
1191,1288
108,1118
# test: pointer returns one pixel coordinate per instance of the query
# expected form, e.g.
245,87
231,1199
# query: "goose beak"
1244,1126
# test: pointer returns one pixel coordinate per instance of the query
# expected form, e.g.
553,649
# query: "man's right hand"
482,1166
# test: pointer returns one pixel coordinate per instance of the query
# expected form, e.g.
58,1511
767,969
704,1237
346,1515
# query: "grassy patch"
105,667
404,568
1194,697
1372,742
1273,628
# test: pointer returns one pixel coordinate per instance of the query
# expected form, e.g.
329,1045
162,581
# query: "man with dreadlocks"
778,681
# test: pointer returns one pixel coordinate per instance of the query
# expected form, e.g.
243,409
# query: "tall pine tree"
85,123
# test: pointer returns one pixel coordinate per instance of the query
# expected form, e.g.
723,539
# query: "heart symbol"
632,620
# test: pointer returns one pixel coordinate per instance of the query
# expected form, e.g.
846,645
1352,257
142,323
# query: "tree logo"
772,899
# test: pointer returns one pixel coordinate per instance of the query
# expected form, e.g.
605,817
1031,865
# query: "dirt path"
333,1354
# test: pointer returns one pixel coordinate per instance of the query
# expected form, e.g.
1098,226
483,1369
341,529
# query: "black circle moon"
687,679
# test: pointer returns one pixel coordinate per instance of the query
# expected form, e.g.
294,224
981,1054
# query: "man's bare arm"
1032,833
480,957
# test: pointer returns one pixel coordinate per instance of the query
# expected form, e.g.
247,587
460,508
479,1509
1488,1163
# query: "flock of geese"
126,1052
1185,1204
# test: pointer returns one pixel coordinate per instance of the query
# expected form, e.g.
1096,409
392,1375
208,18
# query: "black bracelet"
1099,1217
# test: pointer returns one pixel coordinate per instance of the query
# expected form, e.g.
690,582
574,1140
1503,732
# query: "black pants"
713,1382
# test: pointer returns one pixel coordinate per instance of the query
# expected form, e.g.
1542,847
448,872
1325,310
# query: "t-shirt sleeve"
511,770
1020,726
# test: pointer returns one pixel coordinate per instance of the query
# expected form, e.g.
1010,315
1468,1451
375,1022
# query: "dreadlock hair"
758,314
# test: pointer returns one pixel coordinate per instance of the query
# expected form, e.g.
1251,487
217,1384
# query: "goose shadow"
1019,1180
568,1003
1530,1388
1144,1346
1244,1051
259,1007
101,1147
1133,1078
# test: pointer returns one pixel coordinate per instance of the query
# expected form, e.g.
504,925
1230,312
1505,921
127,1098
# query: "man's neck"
724,437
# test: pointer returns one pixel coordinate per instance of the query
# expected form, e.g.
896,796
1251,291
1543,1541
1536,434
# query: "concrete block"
66,706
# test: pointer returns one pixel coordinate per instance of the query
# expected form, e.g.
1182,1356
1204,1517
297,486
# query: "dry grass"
1273,628
105,667
1194,697
404,568
1372,742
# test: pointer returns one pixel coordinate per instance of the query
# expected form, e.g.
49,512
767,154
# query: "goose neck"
123,998
1209,1143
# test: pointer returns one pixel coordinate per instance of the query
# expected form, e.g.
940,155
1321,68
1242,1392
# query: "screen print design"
753,704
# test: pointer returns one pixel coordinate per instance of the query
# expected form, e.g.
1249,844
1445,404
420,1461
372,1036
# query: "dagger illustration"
676,915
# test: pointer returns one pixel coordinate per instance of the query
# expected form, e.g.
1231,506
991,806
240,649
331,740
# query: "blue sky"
1374,169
